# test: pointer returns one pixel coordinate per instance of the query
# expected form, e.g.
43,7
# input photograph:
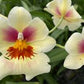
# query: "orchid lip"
20,50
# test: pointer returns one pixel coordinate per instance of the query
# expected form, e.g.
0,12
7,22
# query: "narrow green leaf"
59,56
25,5
49,78
61,69
54,52
57,33
22,83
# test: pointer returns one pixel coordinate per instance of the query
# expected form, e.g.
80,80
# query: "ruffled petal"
38,64
37,30
74,15
4,26
74,25
64,5
58,7
19,18
73,61
44,45
51,8
5,67
72,45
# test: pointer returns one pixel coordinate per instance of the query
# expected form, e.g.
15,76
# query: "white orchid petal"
5,67
73,61
51,7
55,4
19,18
39,66
75,14
30,67
72,45
41,30
3,25
44,45
65,5
74,25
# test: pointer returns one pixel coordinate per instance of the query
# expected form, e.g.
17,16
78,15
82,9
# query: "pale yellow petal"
19,18
74,25
44,45
75,14
72,45
5,67
41,30
71,25
64,5
73,61
3,25
38,65
56,6
51,7
30,67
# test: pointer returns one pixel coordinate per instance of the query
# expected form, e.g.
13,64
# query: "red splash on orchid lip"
29,33
58,11
10,34
81,47
69,13
16,53
20,49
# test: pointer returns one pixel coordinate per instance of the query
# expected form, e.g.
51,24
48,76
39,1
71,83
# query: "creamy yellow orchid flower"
63,8
23,41
75,47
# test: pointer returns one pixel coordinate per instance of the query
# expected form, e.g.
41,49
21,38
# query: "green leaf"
22,83
58,55
49,78
25,5
61,69
57,33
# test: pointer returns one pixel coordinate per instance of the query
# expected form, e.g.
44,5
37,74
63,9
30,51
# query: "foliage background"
58,74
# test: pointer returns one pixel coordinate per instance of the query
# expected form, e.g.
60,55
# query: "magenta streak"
58,11
68,14
10,34
81,47
29,33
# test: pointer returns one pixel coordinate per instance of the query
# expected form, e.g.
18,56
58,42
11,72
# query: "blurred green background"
58,74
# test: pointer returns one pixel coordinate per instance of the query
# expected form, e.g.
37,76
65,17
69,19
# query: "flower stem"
60,21
60,46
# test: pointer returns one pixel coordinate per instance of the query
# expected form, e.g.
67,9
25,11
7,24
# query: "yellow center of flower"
20,50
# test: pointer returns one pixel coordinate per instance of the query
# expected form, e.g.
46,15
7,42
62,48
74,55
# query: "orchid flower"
63,9
75,47
23,42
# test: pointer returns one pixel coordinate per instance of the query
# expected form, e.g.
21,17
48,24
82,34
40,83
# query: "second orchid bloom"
75,47
63,8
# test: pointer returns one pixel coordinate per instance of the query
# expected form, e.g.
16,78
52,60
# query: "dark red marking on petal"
58,11
16,53
10,34
81,46
29,33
